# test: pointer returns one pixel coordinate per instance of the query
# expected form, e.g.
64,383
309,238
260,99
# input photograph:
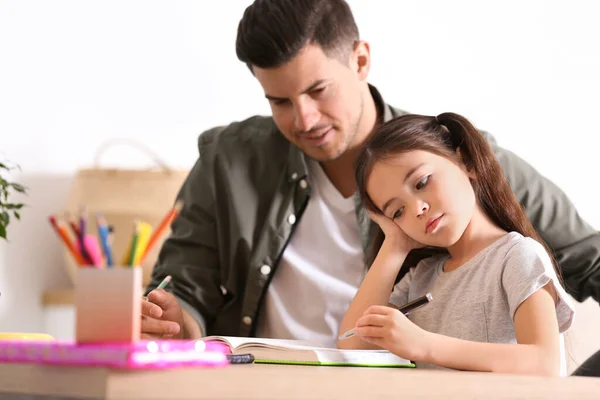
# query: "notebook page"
363,357
236,342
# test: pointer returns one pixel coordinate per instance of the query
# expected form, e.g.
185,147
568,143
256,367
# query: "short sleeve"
399,295
527,269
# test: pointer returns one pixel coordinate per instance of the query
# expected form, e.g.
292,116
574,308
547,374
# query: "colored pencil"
164,282
93,249
104,233
72,223
134,242
144,232
81,236
162,227
63,234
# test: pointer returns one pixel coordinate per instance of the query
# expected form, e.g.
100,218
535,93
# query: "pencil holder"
108,304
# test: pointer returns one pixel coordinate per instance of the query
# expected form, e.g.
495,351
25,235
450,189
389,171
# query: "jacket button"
292,219
294,176
303,184
265,270
247,320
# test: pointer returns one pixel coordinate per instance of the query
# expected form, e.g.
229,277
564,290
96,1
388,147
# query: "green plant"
6,207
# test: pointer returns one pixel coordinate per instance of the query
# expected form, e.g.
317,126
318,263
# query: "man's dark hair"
272,32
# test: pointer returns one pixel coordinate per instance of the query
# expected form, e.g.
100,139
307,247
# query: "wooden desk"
285,382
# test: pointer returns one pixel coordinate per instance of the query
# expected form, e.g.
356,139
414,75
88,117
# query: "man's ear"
360,61
465,165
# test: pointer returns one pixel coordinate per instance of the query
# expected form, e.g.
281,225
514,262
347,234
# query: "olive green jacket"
247,192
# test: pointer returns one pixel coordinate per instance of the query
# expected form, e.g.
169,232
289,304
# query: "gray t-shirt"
478,300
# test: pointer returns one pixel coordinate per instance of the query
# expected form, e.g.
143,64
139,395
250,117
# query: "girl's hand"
388,328
394,234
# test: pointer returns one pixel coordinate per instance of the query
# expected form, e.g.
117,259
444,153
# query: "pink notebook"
142,354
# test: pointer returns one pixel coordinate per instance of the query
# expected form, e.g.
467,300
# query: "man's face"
317,101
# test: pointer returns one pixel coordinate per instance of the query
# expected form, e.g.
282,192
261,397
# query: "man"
272,240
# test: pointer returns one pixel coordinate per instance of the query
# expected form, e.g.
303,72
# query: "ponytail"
490,185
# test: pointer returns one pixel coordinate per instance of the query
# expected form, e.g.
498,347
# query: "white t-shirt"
320,269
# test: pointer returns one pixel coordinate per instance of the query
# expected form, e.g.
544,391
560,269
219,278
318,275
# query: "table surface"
256,381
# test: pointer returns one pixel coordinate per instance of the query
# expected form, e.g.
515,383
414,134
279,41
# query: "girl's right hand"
394,233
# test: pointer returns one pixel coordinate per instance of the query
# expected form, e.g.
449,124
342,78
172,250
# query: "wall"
74,74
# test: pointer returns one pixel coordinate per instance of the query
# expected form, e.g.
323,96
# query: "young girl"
497,302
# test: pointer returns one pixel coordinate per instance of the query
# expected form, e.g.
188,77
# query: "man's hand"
162,316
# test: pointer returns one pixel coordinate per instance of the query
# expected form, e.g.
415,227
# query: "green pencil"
134,242
164,282
162,285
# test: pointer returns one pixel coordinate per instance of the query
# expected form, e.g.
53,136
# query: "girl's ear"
468,169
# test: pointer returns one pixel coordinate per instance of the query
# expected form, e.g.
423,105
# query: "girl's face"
428,196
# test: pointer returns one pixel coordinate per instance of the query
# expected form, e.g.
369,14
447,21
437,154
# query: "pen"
405,309
240,358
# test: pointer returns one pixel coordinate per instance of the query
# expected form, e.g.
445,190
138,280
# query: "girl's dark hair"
272,32
444,135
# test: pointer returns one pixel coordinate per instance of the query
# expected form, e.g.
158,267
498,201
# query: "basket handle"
134,144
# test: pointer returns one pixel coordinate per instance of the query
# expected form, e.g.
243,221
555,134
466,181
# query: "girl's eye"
318,91
397,214
421,184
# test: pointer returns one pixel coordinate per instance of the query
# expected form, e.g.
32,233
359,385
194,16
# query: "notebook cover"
334,364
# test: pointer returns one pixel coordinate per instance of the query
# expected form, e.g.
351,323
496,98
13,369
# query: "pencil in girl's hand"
63,234
405,309
160,230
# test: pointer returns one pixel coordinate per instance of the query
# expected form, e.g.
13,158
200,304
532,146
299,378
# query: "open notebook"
279,351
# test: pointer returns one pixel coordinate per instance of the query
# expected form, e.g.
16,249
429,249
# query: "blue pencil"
103,232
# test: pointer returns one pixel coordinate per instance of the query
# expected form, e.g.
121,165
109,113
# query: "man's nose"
306,116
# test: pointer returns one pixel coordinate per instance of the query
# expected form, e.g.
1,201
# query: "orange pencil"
165,223
61,230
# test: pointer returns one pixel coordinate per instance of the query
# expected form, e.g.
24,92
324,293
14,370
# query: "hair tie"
456,141
444,127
